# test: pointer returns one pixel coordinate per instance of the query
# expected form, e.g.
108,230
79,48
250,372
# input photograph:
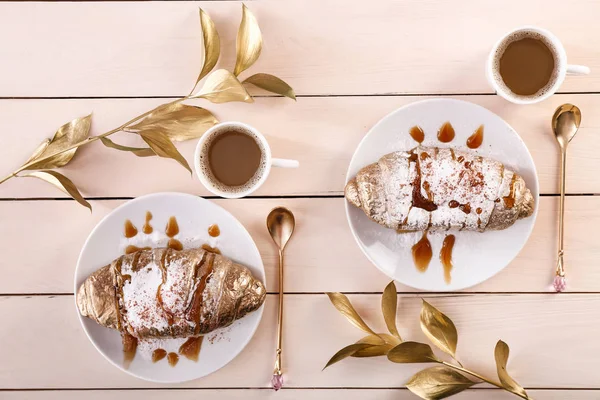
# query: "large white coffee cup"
561,68
204,173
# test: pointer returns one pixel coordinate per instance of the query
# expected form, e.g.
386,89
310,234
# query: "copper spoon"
280,223
565,123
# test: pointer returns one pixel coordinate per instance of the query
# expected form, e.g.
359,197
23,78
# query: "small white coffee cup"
561,68
204,173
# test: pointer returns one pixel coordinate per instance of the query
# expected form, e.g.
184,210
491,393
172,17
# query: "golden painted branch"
88,140
436,382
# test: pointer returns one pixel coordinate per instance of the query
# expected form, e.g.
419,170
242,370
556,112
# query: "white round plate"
477,256
194,216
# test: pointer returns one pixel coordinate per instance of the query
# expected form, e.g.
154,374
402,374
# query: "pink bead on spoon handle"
565,123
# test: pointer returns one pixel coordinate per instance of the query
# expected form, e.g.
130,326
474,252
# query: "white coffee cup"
204,173
561,68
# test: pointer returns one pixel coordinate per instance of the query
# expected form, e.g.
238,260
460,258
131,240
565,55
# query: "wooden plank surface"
351,62
288,394
49,350
313,264
320,47
322,133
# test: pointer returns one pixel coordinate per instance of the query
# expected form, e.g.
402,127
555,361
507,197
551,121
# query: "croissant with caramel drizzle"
164,293
430,188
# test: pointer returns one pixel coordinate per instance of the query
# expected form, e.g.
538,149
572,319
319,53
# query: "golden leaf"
439,329
412,352
271,83
380,347
346,352
501,355
178,121
61,182
163,147
221,86
38,151
248,43
211,44
438,383
138,151
380,338
372,339
390,339
389,303
66,136
343,305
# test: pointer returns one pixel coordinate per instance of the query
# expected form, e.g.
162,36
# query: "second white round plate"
476,256
194,216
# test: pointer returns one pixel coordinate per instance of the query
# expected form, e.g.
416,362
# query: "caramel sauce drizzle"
509,201
417,198
193,313
466,208
422,253
446,256
446,133
175,244
172,228
460,159
130,229
475,140
132,249
173,359
129,348
452,154
214,230
416,132
191,348
158,355
211,249
147,228
163,269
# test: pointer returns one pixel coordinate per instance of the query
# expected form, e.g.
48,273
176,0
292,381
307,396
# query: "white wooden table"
351,62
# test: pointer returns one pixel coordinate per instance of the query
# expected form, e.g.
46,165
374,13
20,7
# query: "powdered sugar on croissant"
440,189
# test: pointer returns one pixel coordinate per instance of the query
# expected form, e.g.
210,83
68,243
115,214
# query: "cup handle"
577,70
283,163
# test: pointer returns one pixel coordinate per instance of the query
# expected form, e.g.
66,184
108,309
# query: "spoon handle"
559,280
277,369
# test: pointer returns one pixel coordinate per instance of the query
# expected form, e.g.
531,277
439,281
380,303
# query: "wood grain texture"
319,47
288,394
49,350
312,263
322,133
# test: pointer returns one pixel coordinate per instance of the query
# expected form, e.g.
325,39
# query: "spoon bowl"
281,223
565,123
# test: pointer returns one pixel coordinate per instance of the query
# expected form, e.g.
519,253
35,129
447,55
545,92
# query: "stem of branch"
89,139
483,378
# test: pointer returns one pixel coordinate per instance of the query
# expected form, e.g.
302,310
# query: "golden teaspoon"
280,223
565,123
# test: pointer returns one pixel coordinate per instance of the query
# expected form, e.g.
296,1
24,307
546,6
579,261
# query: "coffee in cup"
528,65
233,159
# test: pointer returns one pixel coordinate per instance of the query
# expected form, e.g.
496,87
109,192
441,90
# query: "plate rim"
440,100
201,199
